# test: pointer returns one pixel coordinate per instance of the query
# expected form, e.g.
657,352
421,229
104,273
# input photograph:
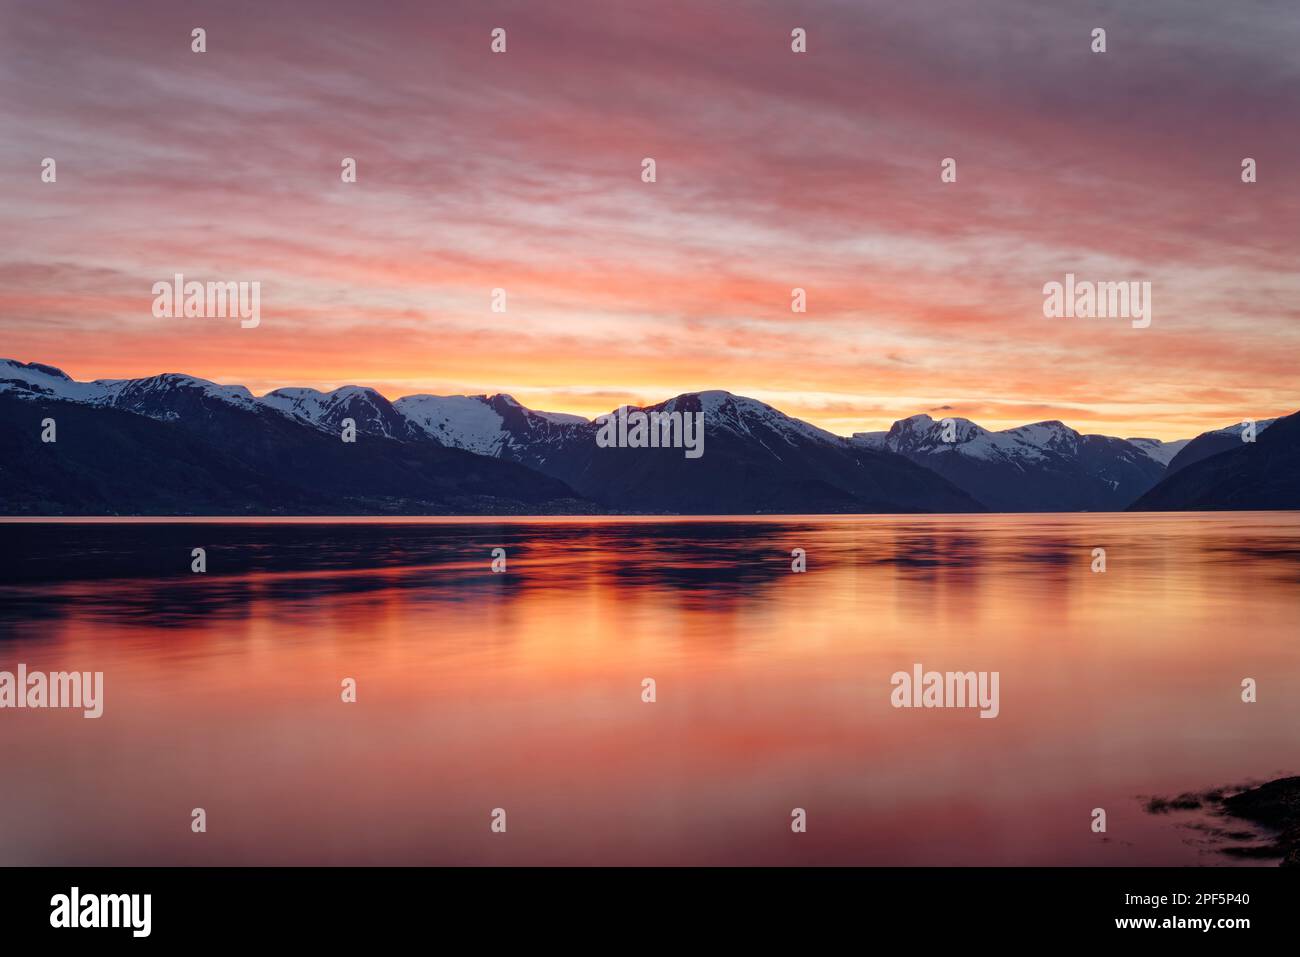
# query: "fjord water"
523,690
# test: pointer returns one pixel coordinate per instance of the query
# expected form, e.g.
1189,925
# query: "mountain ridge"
285,447
764,460
280,398
1263,474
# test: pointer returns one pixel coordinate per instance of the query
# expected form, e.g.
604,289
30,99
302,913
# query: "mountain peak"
1157,450
135,391
40,367
1049,434
921,429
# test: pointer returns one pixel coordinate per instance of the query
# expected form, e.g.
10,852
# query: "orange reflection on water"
523,690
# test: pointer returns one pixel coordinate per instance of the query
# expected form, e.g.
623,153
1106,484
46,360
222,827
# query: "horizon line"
389,394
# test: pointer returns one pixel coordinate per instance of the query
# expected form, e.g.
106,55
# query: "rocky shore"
1273,808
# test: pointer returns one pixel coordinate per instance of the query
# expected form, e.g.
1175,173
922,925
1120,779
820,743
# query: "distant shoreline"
558,517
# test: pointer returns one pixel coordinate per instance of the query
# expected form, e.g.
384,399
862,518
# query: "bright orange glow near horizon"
775,171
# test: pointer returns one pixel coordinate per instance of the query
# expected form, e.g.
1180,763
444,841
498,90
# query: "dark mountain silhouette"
1044,467
175,444
217,459
755,459
372,413
1264,474
1212,443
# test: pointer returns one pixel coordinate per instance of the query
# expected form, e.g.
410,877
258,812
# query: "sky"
774,170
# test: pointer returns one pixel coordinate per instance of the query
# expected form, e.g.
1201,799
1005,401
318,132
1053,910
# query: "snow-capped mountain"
758,458
150,396
1159,451
172,395
1212,443
922,435
177,445
743,416
1232,474
1045,466
35,378
372,413
496,425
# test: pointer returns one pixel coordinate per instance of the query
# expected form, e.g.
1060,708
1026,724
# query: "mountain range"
175,444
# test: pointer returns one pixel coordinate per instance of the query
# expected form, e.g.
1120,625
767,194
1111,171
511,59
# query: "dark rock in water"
1273,807
1184,802
1275,804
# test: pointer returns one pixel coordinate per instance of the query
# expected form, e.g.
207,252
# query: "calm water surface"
523,690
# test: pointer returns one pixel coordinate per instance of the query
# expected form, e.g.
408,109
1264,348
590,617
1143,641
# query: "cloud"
775,171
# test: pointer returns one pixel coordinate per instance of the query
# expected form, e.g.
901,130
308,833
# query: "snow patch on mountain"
147,396
920,434
312,405
869,440
561,418
1053,435
1235,429
1158,451
743,416
489,425
463,421
33,379
372,413
150,392
1024,444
